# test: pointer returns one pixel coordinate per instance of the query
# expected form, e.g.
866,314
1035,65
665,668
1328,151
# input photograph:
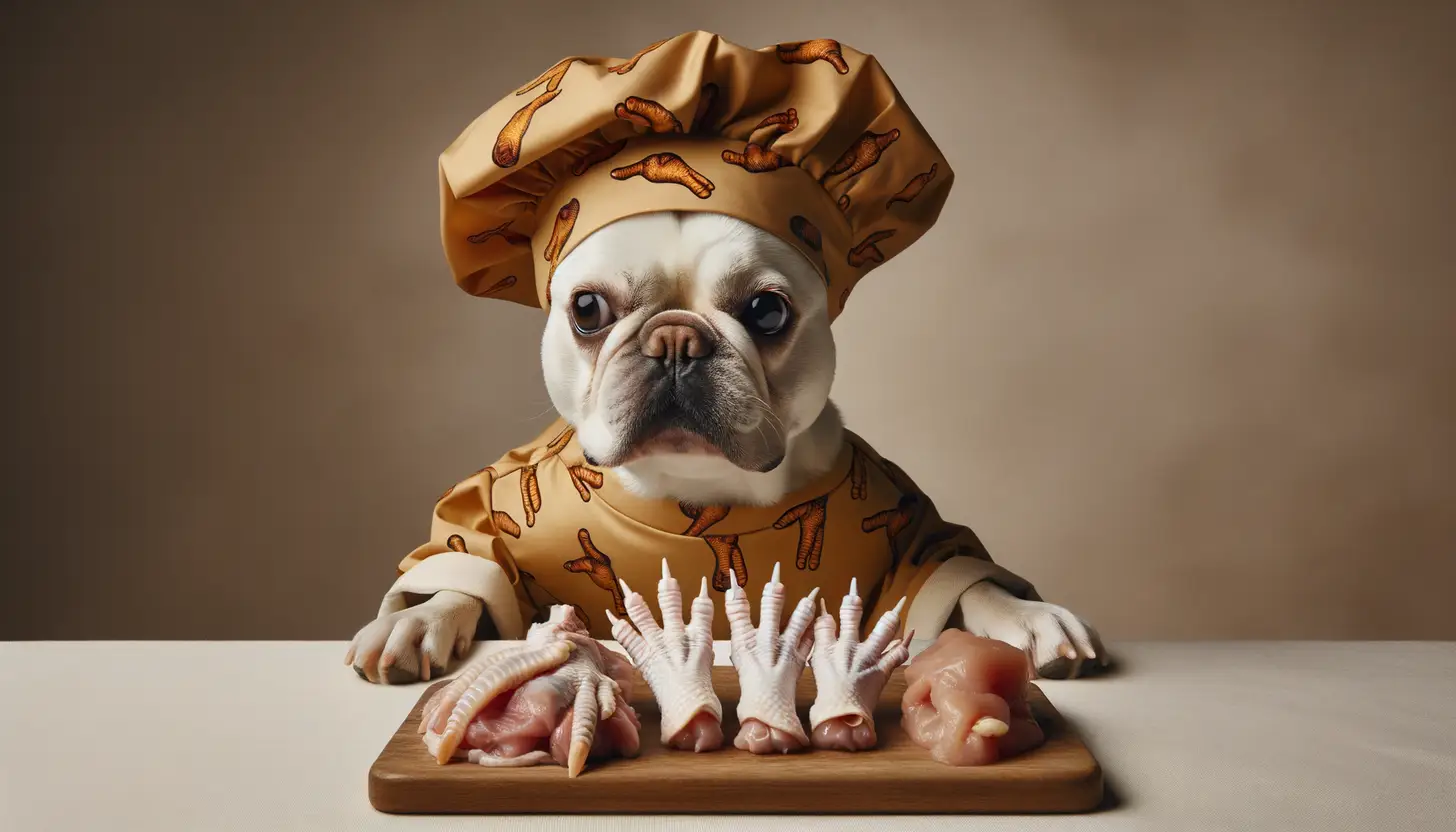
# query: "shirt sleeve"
466,553
935,561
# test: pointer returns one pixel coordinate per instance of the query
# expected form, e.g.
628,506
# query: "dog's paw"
415,643
1058,644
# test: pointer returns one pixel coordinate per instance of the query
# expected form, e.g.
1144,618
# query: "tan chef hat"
808,141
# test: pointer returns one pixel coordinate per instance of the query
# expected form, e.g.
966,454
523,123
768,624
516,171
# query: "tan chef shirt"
541,527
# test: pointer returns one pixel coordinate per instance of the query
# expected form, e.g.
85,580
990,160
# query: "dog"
740,416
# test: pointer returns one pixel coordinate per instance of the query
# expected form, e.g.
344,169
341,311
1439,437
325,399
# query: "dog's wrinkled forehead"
690,261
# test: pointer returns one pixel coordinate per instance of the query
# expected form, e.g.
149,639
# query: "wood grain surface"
899,777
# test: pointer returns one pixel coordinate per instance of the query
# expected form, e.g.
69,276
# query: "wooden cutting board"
899,777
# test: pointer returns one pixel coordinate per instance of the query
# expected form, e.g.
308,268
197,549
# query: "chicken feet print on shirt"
557,445
531,483
506,523
893,521
530,494
727,555
595,564
728,559
858,476
585,479
703,517
810,516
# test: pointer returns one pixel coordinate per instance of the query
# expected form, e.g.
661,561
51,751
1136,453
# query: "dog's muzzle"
679,340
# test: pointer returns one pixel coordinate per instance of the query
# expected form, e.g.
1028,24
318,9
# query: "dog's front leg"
416,642
1058,643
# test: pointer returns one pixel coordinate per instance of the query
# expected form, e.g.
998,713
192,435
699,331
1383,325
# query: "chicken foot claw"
990,726
850,675
676,661
559,697
769,665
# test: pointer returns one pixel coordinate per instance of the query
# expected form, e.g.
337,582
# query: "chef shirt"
541,526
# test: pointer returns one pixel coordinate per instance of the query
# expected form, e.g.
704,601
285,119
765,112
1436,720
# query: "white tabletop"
280,735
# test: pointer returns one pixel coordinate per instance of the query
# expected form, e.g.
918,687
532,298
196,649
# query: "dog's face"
690,341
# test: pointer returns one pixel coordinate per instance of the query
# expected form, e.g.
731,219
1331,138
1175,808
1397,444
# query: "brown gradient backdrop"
1181,349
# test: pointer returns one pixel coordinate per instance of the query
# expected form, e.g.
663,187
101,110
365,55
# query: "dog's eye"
767,313
590,313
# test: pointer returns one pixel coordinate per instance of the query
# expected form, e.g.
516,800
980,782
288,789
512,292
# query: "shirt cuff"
939,596
478,577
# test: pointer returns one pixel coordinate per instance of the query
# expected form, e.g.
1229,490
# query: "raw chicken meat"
851,675
965,700
676,661
769,665
560,697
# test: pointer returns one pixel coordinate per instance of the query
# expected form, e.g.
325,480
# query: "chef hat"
808,141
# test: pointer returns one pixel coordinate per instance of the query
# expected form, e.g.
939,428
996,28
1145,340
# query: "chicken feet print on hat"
808,140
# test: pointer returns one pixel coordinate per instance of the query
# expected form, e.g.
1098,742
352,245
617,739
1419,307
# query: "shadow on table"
1058,670
1111,796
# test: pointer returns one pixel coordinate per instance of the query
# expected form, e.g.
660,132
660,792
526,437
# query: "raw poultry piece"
769,665
965,700
676,661
559,697
850,675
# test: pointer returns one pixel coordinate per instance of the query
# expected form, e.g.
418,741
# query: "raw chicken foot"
557,687
851,675
769,666
676,661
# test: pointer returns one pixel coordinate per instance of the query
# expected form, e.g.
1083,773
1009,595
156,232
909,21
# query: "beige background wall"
1182,349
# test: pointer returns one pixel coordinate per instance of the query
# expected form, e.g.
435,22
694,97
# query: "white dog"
716,291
